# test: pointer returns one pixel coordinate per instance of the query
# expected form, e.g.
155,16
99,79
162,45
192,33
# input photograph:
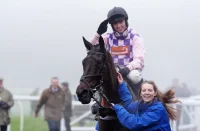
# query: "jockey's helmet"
116,14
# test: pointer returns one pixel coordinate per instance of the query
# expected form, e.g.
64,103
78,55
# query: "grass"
30,124
36,124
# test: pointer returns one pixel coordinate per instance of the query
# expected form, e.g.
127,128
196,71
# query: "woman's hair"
166,98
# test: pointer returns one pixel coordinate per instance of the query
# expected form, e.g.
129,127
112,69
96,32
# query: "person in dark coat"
67,105
6,102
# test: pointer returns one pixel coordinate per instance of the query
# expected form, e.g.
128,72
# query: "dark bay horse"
99,75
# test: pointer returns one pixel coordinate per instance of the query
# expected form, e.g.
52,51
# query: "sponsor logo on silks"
120,50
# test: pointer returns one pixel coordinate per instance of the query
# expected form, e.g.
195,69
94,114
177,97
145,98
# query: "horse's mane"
111,67
112,71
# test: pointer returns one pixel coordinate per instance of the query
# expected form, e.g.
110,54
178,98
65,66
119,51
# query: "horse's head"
93,65
95,70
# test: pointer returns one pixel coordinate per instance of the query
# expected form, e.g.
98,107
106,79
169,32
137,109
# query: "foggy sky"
43,38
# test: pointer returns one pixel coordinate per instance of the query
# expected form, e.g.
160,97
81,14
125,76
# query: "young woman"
150,112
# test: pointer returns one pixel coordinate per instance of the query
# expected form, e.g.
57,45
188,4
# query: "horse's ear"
102,44
88,45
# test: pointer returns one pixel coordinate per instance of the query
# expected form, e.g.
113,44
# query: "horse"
100,75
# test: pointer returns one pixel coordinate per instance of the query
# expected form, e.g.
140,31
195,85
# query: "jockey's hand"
120,78
124,72
102,27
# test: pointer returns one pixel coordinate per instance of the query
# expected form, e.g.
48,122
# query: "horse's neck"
110,93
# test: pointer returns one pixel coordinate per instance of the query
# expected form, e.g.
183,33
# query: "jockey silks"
121,50
127,52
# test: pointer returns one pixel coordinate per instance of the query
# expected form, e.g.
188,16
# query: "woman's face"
120,26
147,92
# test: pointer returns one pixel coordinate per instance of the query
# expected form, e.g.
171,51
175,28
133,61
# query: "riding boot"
137,87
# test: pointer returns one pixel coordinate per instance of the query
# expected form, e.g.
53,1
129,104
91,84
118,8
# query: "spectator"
6,102
68,105
35,102
53,99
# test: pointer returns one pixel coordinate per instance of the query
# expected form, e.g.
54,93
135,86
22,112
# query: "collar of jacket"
142,106
51,89
121,36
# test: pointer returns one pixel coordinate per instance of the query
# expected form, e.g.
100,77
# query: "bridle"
98,87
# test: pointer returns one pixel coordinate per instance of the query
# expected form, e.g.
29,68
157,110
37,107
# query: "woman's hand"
120,78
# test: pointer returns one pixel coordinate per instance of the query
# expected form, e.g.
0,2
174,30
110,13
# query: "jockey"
124,44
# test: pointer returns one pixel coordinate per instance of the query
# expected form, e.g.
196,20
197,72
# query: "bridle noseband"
98,87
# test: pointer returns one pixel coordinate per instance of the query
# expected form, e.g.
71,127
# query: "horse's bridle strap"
99,86
108,118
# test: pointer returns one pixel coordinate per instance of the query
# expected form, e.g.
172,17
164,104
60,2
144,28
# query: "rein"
98,87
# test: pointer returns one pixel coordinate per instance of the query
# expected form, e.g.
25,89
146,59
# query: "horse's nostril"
84,93
81,92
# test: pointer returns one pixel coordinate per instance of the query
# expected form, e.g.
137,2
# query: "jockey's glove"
102,27
124,71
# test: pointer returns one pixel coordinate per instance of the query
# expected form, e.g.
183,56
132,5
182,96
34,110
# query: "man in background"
35,102
6,102
68,105
53,99
181,89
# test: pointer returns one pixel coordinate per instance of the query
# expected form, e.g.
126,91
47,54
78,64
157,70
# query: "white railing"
20,98
189,107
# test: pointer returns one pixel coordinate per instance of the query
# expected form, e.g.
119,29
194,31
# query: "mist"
40,39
